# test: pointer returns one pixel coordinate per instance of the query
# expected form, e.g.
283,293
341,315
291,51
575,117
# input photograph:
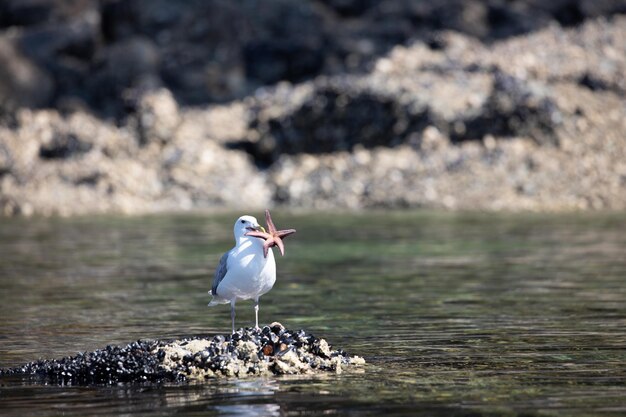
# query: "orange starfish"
272,237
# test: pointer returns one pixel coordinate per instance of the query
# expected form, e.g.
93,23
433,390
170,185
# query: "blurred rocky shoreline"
110,107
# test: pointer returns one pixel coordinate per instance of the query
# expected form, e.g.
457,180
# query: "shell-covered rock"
272,350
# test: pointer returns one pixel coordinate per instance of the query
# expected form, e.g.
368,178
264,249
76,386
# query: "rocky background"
139,106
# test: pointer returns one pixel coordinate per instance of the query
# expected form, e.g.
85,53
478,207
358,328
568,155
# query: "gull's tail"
217,300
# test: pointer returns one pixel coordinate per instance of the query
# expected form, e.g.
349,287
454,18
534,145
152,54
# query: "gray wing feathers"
220,273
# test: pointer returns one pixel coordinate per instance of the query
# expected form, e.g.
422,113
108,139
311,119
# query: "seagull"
248,270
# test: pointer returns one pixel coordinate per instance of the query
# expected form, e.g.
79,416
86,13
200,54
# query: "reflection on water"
251,410
456,314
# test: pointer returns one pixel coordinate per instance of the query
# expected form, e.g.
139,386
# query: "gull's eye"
243,222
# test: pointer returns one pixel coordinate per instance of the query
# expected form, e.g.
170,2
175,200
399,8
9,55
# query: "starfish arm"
267,245
279,242
284,233
270,224
261,235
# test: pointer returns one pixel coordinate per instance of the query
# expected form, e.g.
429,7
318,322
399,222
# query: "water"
457,314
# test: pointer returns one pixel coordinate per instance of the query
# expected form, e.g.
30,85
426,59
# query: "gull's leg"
256,313
232,312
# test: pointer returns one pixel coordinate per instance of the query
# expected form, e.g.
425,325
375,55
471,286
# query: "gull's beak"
256,228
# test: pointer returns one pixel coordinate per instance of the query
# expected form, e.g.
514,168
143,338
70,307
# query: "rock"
6,160
98,167
63,146
193,359
217,51
61,48
288,43
222,50
157,117
336,116
127,67
512,109
26,13
528,123
22,84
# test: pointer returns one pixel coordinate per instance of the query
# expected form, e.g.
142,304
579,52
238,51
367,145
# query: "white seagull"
245,272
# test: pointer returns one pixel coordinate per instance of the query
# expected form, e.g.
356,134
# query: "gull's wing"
220,273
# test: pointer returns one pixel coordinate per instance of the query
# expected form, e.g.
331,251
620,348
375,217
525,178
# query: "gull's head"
246,224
